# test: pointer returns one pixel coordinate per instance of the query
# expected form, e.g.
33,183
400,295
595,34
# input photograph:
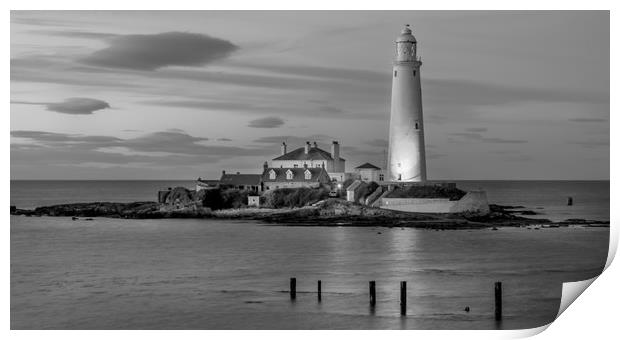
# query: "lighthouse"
406,155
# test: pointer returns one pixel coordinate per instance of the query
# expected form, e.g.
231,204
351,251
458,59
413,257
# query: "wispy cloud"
380,143
266,123
336,73
591,143
160,146
588,120
295,141
76,34
477,129
472,136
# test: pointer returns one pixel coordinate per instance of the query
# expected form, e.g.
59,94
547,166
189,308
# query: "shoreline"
327,213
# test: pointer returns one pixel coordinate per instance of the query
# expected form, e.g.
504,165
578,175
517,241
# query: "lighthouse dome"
406,36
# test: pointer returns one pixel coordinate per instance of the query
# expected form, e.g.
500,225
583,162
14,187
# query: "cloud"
148,52
41,154
477,129
296,141
267,122
591,143
467,92
216,105
76,34
479,138
337,73
78,106
331,109
380,143
74,106
588,120
513,155
248,106
430,155
160,145
53,137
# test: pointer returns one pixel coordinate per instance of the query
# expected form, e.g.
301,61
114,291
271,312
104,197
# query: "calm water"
205,274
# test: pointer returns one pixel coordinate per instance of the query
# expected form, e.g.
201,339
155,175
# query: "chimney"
223,172
283,148
266,165
307,147
314,144
238,173
335,151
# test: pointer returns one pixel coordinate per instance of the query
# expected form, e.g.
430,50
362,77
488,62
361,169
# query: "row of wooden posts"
403,295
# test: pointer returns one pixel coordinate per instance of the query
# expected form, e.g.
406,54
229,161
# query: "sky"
187,94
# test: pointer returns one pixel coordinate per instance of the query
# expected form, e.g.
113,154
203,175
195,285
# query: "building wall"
256,188
340,176
473,201
253,201
368,175
280,185
338,166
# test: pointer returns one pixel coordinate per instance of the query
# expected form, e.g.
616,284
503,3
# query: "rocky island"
297,208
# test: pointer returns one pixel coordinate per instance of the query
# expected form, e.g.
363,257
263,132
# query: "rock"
466,309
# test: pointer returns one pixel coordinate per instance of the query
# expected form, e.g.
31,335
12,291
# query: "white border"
596,309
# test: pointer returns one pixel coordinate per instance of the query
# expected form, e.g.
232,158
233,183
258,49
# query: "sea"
226,274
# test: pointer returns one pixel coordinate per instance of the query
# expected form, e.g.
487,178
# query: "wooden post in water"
570,201
373,293
293,288
403,297
498,301
319,290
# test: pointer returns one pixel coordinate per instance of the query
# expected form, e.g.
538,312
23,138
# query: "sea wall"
473,201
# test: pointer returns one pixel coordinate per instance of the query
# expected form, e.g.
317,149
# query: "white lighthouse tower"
406,155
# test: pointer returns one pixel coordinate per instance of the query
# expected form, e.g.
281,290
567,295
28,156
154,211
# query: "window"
417,125
381,177
289,174
414,73
272,174
308,174
294,165
395,74
317,165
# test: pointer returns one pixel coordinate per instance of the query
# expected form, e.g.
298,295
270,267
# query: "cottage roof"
299,174
368,166
208,181
314,153
240,179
